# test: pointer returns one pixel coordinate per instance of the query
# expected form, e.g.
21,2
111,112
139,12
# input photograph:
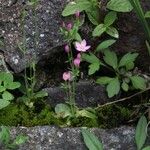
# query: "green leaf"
6,77
13,85
90,58
85,113
7,96
104,80
20,140
111,58
119,5
146,148
148,47
125,86
128,58
93,68
138,82
99,30
110,18
113,87
91,141
93,15
140,135
105,44
112,32
3,103
73,7
63,110
41,94
4,135
2,88
130,66
147,14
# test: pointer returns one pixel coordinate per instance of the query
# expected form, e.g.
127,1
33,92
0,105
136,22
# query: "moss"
42,114
15,115
113,115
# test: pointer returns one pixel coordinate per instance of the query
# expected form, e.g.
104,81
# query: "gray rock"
54,138
88,94
47,32
48,23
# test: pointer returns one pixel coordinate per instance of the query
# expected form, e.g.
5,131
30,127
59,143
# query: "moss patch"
42,114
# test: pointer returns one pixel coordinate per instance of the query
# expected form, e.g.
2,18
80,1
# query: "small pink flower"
67,76
77,62
67,48
82,46
69,26
79,55
77,14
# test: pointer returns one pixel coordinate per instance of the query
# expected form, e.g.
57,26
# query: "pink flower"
69,26
79,55
82,46
67,76
67,48
77,62
77,14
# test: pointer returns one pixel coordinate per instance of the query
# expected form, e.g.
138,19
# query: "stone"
88,94
55,138
48,24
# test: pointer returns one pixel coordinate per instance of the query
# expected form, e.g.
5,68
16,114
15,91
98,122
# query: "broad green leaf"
13,85
130,66
140,135
73,7
146,148
119,5
93,15
147,14
3,103
110,18
91,141
112,32
6,77
125,86
111,58
2,88
4,135
138,82
85,113
128,58
105,44
99,30
7,96
93,68
104,80
41,94
90,58
63,110
113,87
20,140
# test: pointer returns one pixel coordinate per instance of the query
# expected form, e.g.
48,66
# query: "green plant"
141,134
143,19
119,5
7,143
29,93
91,7
124,76
91,141
6,85
107,26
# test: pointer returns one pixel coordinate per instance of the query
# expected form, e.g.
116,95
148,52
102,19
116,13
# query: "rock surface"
88,94
54,138
48,23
